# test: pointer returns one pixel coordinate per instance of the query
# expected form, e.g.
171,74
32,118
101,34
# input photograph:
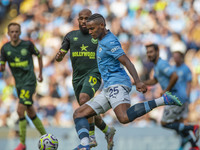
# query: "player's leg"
22,126
87,91
184,132
172,120
120,101
141,109
83,98
108,131
82,125
22,121
29,91
83,92
36,121
89,87
96,105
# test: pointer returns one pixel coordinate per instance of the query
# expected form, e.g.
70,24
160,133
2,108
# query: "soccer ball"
48,142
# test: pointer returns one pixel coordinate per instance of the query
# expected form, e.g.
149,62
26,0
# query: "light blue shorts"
175,113
110,97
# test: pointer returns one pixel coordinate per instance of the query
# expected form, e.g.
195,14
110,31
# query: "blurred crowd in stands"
169,23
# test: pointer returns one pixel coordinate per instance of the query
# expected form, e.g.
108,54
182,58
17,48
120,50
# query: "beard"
152,59
83,30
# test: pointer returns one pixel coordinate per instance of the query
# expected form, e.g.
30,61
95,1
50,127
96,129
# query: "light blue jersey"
184,76
162,72
112,71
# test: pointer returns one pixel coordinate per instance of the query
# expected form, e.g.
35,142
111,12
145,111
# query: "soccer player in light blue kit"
185,79
117,85
166,76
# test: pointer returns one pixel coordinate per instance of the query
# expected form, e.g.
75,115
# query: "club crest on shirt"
100,49
9,53
23,52
166,69
180,73
94,41
75,38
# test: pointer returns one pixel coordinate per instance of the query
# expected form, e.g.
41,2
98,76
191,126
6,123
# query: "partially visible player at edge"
166,76
117,85
185,78
86,76
18,53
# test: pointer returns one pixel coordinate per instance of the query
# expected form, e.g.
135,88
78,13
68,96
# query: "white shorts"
173,113
110,97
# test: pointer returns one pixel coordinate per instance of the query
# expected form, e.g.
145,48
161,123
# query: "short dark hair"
98,17
85,10
155,46
15,24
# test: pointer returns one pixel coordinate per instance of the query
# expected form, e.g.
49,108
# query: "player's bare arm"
40,77
151,81
140,86
189,86
172,81
60,55
2,67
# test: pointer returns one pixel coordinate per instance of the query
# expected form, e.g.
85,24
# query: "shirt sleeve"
166,69
3,56
115,49
65,44
33,49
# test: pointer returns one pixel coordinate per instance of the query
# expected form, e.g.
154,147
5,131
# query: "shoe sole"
112,132
93,144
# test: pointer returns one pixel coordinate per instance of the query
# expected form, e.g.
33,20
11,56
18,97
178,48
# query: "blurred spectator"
64,115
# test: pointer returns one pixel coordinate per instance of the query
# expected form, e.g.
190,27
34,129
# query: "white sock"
159,101
85,141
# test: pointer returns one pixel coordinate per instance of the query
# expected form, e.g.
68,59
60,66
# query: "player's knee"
31,112
163,123
77,113
123,119
83,98
20,113
31,115
82,101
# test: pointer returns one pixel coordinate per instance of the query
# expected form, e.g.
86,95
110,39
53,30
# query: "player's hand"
162,92
59,56
40,78
2,68
141,87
